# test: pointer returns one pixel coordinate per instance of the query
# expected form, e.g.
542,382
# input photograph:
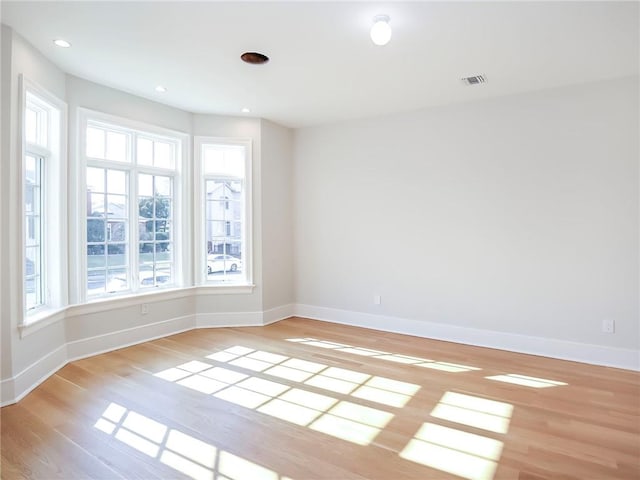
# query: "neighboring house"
224,214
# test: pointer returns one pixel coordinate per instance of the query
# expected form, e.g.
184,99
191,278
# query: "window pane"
163,155
117,206
145,207
117,181
116,146
215,229
95,179
31,125
95,205
32,279
116,232
95,142
95,230
163,274
145,185
106,230
117,280
32,227
163,186
154,227
34,248
223,160
116,254
145,151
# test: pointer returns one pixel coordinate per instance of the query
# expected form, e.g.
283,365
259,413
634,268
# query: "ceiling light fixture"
245,110
62,43
161,89
381,30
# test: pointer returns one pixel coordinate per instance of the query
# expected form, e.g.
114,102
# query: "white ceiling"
324,67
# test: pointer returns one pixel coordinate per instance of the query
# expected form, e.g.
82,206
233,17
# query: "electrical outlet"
144,308
377,300
608,325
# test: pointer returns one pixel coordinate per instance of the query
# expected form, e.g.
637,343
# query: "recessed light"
245,110
161,89
62,43
254,58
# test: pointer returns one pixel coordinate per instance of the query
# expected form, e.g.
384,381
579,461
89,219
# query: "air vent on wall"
475,80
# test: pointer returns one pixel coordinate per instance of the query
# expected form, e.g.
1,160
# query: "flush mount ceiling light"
381,30
62,43
254,58
161,89
245,110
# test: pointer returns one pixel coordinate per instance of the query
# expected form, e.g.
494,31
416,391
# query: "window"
42,201
224,171
34,254
132,185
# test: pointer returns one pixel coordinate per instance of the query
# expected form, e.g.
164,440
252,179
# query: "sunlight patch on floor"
377,389
526,381
184,453
474,411
345,420
467,455
391,357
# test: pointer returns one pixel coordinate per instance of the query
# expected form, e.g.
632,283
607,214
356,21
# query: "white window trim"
55,226
181,220
199,249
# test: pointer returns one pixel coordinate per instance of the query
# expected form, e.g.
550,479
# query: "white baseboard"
276,314
228,319
88,347
17,387
547,347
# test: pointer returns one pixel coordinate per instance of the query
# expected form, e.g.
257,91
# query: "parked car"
117,284
223,263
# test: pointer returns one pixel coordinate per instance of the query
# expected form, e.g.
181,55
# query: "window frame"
244,284
180,217
52,152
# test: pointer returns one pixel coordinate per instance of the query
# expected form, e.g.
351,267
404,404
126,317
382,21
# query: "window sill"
128,300
225,289
43,318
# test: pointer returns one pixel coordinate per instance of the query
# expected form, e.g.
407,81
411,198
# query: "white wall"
5,153
277,213
517,214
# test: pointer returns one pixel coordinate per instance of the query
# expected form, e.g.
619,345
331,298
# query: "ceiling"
324,67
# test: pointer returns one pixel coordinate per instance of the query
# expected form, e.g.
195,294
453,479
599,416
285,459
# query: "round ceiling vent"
254,58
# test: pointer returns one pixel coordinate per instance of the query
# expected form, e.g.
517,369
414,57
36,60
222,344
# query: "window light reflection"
339,380
474,411
186,454
345,420
391,357
467,455
526,381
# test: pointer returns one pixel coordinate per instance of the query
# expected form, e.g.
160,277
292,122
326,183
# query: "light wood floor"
250,404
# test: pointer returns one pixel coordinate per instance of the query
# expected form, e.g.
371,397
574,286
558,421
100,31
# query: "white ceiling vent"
475,80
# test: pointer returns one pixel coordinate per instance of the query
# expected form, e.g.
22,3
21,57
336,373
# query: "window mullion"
134,222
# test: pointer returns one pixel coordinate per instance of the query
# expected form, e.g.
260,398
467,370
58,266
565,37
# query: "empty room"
320,240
